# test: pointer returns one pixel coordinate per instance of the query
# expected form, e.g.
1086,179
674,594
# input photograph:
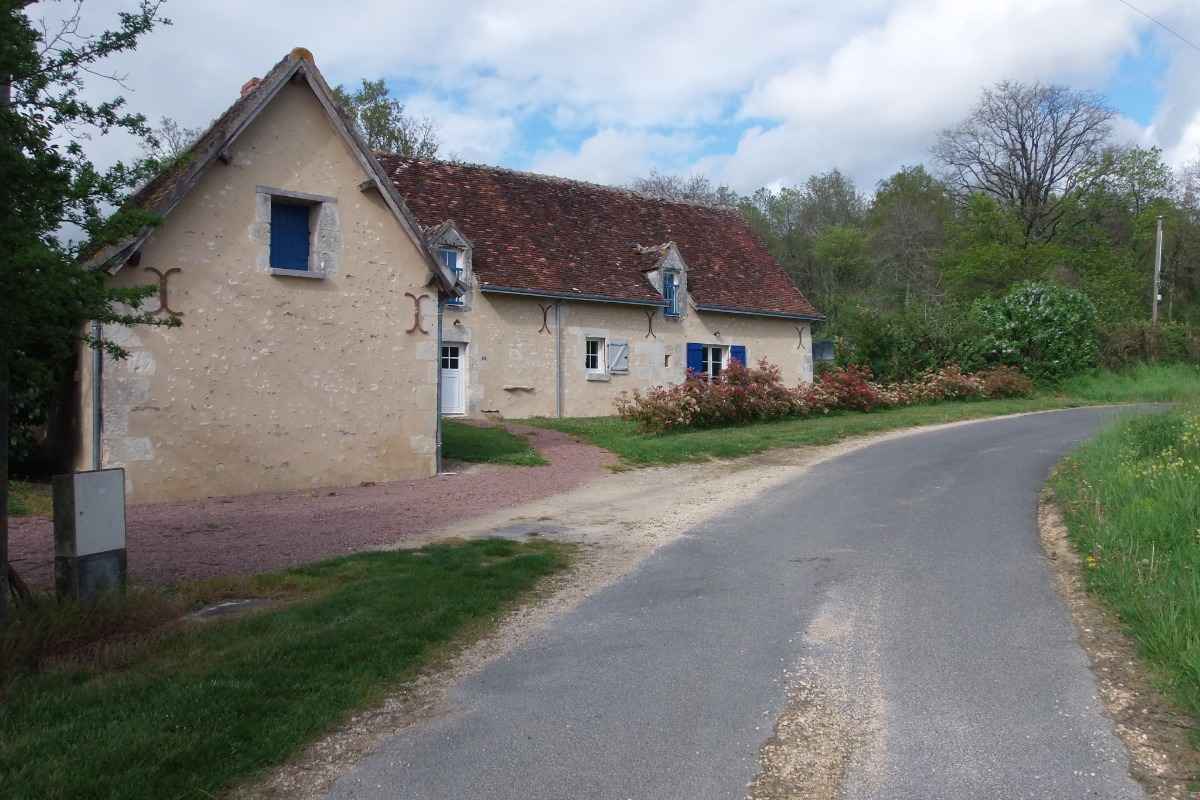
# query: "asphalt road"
907,574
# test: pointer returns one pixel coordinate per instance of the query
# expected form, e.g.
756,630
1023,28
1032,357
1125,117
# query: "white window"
593,360
712,361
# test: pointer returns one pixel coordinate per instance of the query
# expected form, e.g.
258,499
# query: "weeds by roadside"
1131,500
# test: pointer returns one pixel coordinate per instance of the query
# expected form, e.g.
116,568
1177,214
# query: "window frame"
671,286
595,363
315,204
454,264
706,361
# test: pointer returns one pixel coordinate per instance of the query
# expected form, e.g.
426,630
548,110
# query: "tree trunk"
3,478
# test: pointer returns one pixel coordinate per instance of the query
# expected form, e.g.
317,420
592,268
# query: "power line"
1161,25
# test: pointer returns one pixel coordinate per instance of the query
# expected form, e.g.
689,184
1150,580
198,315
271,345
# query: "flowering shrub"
850,389
749,394
1006,382
1048,331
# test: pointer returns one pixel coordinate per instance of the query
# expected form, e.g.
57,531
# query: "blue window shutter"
289,236
738,351
695,356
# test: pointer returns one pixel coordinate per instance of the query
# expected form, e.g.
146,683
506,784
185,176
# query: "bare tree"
1028,146
697,188
168,141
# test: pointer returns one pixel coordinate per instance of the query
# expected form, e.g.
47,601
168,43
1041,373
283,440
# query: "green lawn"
194,709
491,445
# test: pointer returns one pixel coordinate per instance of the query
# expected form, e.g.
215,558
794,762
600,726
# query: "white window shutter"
618,356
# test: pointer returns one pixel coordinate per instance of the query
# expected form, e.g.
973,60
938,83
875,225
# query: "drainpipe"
437,458
97,396
558,365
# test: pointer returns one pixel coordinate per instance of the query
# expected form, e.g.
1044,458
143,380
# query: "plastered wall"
275,382
512,351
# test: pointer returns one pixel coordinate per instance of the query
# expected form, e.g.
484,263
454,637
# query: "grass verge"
1131,501
492,445
1141,383
620,437
194,709
29,499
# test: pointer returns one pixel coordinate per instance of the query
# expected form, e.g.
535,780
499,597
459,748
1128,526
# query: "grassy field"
1131,499
190,710
494,445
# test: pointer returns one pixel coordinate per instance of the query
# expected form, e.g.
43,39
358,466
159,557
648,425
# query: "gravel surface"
172,542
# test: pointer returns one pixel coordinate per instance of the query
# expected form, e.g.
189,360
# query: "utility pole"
1157,271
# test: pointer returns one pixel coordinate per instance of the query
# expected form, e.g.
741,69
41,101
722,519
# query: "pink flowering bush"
751,394
1006,382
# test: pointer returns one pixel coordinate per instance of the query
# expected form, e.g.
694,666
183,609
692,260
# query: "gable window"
291,237
300,231
671,293
593,362
452,260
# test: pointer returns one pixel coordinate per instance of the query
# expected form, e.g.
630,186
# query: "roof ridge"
555,179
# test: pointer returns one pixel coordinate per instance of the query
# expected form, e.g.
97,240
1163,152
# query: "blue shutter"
695,356
618,356
289,236
739,352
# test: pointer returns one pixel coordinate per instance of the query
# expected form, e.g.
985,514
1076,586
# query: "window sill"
297,273
597,376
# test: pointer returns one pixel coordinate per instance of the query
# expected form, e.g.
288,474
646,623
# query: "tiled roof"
541,234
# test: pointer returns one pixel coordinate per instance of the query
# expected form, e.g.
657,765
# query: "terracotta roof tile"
542,234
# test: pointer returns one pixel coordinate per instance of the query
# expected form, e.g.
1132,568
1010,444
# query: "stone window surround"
326,241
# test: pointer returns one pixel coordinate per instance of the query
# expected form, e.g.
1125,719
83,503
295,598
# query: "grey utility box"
89,533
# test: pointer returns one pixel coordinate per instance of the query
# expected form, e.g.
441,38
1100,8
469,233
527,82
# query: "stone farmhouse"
335,303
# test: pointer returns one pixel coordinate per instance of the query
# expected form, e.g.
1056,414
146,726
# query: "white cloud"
605,89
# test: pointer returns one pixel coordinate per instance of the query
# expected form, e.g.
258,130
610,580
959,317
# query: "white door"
453,381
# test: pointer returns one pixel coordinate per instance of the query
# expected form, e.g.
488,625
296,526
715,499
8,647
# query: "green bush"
1048,331
1143,341
901,345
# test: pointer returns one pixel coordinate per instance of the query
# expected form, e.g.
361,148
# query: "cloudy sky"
751,93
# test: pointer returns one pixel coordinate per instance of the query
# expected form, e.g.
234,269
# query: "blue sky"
756,93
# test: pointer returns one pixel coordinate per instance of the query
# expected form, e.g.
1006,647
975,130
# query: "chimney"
249,85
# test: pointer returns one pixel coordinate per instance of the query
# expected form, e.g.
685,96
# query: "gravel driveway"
172,542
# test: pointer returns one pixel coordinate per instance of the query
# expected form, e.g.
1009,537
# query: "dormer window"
451,259
670,292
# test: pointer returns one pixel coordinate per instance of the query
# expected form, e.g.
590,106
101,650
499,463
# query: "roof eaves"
593,298
757,313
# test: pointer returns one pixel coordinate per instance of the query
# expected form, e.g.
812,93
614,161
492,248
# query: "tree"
383,122
1027,146
908,222
46,183
169,141
696,188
